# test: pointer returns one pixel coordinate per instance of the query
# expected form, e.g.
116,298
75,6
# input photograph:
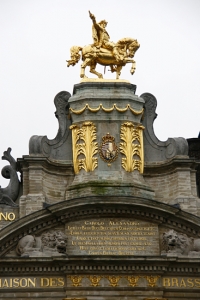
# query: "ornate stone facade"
105,209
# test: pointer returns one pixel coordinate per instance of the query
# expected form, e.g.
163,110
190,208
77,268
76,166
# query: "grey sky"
35,39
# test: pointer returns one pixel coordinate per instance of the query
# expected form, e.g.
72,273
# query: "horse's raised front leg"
85,63
118,71
92,70
133,67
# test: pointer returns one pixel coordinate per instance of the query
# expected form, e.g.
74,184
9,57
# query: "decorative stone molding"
155,150
56,148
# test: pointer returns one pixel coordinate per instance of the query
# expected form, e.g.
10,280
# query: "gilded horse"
92,55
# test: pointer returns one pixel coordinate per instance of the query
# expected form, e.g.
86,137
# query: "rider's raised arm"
92,17
96,25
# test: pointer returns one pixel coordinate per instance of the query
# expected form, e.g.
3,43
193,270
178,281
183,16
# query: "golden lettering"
23,282
53,282
7,216
182,283
10,282
11,216
31,282
61,282
5,284
44,282
197,281
16,282
190,282
166,281
174,282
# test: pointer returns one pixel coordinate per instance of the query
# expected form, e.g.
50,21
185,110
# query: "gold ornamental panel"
132,147
83,139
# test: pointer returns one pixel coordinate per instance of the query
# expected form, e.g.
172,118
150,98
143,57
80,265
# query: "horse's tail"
75,56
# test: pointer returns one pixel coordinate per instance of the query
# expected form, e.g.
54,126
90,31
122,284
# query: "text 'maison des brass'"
132,147
112,237
84,145
98,281
104,52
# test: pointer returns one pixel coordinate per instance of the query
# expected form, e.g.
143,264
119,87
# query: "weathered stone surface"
174,182
44,181
113,220
155,150
60,148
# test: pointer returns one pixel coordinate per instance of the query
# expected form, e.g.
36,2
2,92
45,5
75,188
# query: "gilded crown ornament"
104,52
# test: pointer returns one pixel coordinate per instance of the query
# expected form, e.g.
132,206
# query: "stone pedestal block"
106,119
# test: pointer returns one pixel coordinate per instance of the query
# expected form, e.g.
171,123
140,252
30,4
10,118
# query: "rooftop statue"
104,52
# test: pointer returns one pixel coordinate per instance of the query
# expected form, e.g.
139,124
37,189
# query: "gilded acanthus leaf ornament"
84,144
76,147
132,147
104,52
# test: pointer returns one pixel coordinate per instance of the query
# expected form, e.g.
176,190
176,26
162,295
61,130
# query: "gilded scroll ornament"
108,110
104,52
152,280
133,280
108,150
113,280
84,144
132,147
75,279
94,279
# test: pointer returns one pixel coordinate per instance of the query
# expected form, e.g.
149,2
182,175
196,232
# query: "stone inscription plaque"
112,237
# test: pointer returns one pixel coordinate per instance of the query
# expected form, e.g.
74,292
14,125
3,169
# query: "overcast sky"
35,41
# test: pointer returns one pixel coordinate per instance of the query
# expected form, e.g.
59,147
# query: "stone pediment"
75,213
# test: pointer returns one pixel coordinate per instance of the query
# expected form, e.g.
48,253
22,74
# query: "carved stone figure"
180,244
9,194
29,245
104,52
51,243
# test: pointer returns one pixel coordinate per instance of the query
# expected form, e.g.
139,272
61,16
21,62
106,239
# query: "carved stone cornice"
169,166
105,266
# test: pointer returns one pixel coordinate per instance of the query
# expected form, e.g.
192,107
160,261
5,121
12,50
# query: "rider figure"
101,37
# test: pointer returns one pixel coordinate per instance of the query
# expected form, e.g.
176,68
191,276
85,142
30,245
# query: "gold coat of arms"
108,150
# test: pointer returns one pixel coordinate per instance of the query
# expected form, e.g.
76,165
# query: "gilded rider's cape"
96,34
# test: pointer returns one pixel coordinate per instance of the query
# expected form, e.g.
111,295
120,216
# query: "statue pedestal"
107,140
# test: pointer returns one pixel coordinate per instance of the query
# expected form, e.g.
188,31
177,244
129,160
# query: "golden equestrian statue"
104,52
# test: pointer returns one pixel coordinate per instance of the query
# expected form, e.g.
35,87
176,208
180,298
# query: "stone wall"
174,183
43,182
